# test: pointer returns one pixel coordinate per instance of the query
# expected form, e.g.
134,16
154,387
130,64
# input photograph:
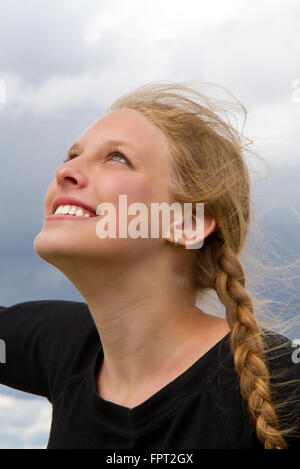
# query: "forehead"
133,128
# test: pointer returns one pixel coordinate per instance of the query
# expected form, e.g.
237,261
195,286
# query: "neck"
146,322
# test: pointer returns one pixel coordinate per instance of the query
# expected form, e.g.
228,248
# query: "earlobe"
191,235
201,230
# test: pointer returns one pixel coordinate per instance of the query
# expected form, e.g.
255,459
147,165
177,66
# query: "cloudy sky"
63,62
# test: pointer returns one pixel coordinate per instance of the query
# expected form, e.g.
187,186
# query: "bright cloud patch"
25,423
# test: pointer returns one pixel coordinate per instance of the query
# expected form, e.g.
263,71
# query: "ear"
192,227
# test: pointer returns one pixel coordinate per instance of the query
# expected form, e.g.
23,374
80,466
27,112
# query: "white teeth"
79,212
66,209
59,210
71,210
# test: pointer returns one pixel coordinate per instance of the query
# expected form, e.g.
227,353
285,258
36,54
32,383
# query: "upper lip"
66,200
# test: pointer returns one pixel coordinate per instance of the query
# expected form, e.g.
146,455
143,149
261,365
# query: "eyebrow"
105,145
75,146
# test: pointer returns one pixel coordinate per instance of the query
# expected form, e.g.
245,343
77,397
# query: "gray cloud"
256,59
24,426
43,38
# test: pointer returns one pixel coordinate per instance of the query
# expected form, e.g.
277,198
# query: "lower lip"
67,217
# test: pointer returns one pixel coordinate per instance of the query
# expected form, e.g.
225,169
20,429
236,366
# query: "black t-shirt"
53,349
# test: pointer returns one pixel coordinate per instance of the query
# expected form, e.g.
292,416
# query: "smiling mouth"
72,212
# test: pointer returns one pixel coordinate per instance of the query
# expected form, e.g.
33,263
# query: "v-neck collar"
162,402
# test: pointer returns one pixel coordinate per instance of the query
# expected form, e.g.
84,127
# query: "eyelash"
70,157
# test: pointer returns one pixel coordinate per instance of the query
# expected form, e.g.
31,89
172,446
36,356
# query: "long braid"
247,348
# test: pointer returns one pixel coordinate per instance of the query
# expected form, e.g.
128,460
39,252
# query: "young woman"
138,365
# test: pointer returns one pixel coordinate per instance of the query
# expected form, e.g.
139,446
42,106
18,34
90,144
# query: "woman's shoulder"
281,350
283,359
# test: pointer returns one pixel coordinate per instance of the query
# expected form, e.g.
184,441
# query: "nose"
70,175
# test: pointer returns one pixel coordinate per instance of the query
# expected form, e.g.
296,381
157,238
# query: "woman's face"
97,174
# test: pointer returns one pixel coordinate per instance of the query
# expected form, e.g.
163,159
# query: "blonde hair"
210,167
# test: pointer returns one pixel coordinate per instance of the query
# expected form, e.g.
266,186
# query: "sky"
62,63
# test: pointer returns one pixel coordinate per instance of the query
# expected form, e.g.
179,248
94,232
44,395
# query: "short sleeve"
39,340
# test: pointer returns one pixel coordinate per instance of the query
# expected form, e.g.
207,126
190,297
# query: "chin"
50,248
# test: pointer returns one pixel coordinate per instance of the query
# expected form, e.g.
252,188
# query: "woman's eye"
125,159
121,155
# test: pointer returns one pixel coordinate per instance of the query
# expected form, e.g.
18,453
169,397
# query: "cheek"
141,189
136,189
